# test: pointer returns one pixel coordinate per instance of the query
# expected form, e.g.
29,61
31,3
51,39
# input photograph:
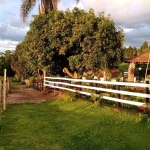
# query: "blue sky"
133,16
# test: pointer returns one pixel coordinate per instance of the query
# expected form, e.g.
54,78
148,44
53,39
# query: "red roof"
143,58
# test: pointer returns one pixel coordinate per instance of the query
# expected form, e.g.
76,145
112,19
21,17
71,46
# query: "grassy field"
71,125
123,67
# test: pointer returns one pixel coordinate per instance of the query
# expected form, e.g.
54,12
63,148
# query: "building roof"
143,58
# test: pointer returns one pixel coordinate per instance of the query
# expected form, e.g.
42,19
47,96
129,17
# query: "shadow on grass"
65,125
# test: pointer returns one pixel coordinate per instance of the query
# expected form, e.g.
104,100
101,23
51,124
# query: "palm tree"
43,8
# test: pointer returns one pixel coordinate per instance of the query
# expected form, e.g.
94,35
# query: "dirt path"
23,94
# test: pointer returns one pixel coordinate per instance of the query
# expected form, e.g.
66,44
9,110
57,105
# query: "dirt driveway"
23,94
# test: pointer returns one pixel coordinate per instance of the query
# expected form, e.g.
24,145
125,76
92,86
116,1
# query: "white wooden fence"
62,83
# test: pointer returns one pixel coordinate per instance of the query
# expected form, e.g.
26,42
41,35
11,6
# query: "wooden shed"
143,59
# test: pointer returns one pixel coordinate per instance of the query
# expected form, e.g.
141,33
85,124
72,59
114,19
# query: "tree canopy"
144,48
19,63
76,39
5,63
130,52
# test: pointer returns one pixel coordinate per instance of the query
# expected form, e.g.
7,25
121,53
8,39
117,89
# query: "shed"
143,59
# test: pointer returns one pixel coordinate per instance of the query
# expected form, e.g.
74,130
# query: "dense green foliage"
19,64
144,48
75,39
133,51
130,52
5,63
66,125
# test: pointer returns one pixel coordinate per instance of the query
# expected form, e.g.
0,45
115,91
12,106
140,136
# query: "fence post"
70,82
95,85
1,101
44,73
41,84
80,89
54,87
0,95
147,92
118,104
4,91
60,86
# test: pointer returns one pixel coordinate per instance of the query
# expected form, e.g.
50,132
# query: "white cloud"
12,33
63,5
7,45
128,15
138,36
127,29
121,10
133,16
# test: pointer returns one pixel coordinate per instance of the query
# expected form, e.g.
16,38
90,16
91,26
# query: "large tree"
144,48
19,63
130,52
5,62
44,7
76,39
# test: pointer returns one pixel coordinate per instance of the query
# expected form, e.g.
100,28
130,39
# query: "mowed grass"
71,125
123,67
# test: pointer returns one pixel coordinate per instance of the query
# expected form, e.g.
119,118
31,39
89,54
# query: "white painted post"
44,73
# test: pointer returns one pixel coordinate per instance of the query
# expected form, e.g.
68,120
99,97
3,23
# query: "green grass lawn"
76,125
123,67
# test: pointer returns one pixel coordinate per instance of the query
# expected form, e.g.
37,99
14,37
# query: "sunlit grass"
123,67
71,125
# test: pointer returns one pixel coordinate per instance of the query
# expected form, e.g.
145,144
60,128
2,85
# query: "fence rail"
62,83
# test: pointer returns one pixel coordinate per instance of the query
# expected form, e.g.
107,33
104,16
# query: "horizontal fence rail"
51,83
62,83
101,82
